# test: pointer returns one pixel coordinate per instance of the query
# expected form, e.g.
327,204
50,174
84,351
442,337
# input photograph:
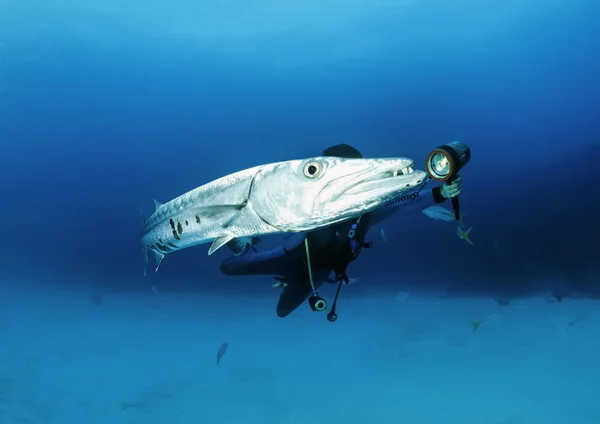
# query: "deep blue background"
104,107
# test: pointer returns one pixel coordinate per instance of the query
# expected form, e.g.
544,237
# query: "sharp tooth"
404,171
410,170
395,173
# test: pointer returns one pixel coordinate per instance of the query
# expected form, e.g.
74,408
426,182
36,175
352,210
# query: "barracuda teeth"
403,171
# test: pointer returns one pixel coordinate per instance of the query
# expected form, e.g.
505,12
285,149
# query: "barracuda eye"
312,169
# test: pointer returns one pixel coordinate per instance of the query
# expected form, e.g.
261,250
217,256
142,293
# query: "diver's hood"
343,151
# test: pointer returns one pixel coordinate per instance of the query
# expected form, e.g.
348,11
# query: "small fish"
280,282
464,234
439,213
563,332
125,405
221,352
383,236
476,324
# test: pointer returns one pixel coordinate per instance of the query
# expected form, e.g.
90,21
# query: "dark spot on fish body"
186,223
172,224
197,219
179,228
176,235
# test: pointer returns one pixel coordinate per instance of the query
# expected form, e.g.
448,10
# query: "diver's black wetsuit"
330,250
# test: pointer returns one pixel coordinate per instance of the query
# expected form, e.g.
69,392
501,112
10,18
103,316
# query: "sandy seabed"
76,357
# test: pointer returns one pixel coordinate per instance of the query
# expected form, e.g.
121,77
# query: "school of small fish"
440,213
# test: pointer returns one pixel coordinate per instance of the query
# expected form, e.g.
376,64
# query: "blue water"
105,106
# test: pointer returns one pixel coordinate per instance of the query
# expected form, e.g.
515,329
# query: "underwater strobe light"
444,163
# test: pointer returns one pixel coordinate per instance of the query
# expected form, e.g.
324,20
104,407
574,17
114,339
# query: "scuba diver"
307,260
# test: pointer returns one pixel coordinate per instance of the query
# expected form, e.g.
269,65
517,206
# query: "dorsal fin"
157,204
143,219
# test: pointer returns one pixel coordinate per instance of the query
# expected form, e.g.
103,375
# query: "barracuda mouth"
385,178
404,171
384,175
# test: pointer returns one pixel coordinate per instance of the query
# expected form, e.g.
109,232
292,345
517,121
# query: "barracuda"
283,197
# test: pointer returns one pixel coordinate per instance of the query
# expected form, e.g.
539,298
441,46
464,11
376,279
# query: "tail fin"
144,250
158,257
145,254
465,236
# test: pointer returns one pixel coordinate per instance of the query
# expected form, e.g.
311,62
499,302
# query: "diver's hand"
451,190
241,246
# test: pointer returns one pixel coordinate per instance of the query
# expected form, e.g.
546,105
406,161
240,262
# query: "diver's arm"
416,201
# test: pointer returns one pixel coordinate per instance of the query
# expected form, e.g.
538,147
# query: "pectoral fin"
218,243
